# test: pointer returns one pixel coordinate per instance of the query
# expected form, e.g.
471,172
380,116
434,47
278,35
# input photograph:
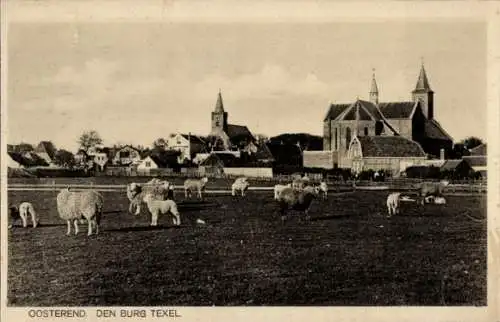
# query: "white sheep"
191,185
279,188
24,209
136,193
393,202
163,207
76,205
240,185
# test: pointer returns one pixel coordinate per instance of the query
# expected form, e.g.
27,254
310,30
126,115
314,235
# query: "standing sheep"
323,189
136,192
22,212
290,198
191,185
75,205
279,188
163,207
393,202
240,185
435,189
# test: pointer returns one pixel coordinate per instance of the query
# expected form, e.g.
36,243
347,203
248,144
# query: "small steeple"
374,89
219,107
422,82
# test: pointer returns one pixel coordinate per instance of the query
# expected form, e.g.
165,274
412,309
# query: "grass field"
348,254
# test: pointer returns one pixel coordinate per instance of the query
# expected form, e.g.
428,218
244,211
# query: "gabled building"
46,151
126,156
478,159
225,136
188,144
413,120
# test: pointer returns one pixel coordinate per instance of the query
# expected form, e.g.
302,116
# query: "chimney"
441,154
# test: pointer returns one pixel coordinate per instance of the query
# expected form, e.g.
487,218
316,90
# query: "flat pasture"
348,254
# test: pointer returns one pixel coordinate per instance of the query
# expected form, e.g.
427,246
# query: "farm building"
413,120
478,159
230,164
189,145
126,156
319,159
459,168
28,159
225,136
383,153
215,163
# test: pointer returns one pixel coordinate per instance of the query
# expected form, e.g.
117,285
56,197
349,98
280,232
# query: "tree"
160,143
89,139
64,159
471,142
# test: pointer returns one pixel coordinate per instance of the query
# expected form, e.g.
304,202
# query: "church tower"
423,94
219,116
374,90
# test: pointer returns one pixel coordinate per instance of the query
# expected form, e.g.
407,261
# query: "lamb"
323,189
73,206
24,209
241,185
290,198
278,188
157,207
393,202
136,192
191,185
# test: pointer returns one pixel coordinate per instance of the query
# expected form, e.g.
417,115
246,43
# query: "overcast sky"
135,82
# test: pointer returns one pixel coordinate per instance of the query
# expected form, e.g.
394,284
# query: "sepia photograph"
200,164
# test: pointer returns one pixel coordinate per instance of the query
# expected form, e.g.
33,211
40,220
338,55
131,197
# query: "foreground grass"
349,254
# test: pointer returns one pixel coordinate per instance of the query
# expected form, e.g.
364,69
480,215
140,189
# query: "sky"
136,82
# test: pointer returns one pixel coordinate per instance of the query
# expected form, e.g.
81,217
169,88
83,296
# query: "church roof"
367,111
389,146
374,87
219,106
193,138
397,110
238,131
422,82
335,110
433,130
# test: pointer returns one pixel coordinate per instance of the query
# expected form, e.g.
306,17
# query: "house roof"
28,159
451,164
397,110
46,147
238,131
479,150
476,161
389,146
194,138
263,153
366,111
433,130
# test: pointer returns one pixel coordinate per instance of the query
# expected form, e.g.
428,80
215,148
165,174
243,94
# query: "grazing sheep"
431,189
290,198
278,188
163,207
393,202
191,185
240,185
76,205
323,189
299,184
136,193
22,212
435,200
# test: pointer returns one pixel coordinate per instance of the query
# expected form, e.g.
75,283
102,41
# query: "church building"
412,120
228,137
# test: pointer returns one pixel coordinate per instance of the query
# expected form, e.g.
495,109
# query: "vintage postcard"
190,161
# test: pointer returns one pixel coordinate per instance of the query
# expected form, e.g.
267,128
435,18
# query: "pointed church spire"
374,89
219,107
423,82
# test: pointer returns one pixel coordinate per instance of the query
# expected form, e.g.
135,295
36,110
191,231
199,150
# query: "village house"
413,120
126,156
478,159
188,144
46,151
